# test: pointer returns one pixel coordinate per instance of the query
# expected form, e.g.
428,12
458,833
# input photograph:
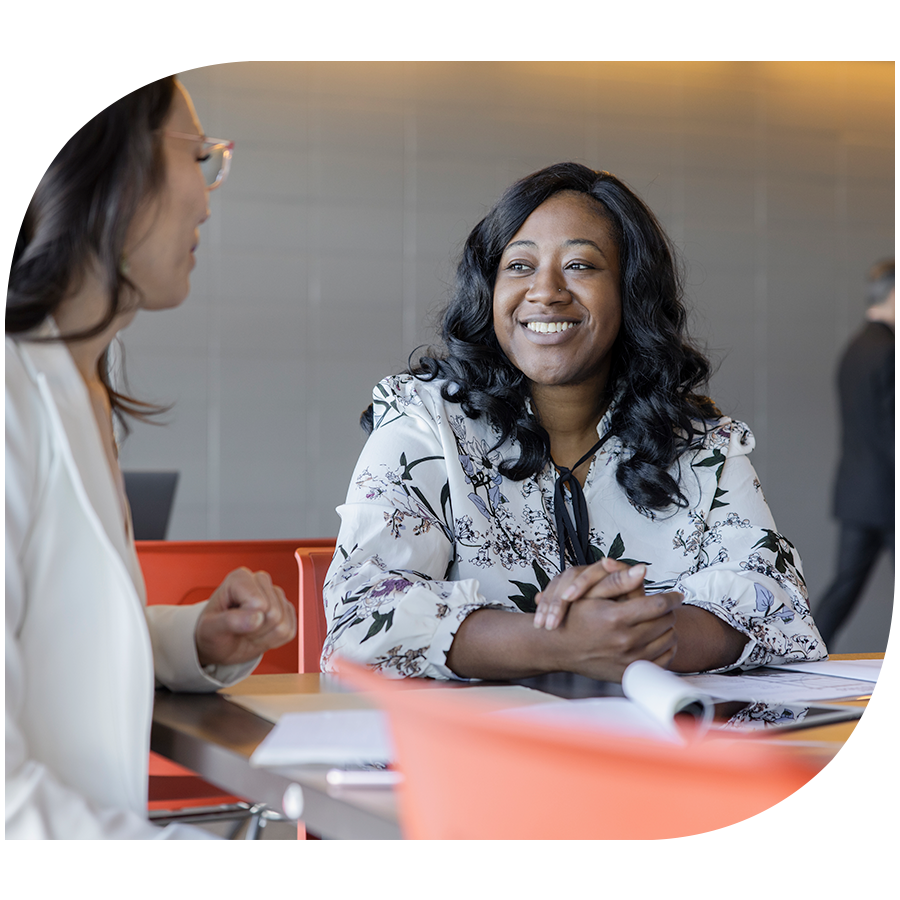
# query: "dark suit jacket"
864,492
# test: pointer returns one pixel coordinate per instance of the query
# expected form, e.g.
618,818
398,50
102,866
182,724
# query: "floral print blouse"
431,532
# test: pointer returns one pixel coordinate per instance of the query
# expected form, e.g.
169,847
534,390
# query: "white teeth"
549,327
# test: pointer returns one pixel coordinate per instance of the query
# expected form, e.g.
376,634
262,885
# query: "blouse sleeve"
175,661
389,599
745,571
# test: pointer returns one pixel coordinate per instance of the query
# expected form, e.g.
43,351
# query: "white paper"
663,695
784,685
860,669
342,737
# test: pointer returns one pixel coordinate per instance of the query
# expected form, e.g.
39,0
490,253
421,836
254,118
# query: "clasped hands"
245,616
608,618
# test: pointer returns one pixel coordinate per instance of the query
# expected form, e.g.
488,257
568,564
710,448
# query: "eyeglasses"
216,159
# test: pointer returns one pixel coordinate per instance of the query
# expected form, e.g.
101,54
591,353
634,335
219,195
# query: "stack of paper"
818,681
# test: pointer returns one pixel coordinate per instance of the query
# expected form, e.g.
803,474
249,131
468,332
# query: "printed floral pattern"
431,532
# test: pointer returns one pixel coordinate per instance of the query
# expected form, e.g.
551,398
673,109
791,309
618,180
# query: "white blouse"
431,531
82,651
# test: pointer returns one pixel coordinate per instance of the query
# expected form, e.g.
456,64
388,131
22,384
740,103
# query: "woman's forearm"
599,638
496,644
704,641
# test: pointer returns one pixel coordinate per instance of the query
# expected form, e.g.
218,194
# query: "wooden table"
215,737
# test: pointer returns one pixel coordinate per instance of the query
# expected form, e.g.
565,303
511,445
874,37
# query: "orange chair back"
472,775
181,572
311,625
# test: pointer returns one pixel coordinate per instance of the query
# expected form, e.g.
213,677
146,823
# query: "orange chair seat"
472,775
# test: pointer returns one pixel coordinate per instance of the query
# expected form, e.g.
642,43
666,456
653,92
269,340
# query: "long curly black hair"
655,370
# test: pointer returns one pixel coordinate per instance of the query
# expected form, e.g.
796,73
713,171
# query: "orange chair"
472,775
184,572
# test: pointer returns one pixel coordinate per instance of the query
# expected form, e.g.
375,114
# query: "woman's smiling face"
557,305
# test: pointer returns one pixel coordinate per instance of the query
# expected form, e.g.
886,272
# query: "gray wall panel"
331,249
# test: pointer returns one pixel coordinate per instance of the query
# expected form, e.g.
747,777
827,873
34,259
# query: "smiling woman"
551,493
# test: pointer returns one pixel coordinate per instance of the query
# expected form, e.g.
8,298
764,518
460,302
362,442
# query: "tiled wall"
331,247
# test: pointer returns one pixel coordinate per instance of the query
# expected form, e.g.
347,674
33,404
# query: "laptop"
150,496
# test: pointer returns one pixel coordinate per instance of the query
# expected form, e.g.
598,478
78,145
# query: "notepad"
340,737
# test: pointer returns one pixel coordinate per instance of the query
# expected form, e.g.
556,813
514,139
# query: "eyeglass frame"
227,153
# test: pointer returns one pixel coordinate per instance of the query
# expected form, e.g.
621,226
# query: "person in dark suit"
864,488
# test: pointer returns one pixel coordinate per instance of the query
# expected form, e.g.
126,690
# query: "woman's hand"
245,616
600,638
703,641
605,621
607,579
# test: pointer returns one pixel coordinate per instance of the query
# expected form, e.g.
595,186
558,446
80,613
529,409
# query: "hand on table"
605,621
245,616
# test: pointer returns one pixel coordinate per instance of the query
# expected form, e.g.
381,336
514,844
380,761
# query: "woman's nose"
548,286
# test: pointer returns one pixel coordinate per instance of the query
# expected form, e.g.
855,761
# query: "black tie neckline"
575,537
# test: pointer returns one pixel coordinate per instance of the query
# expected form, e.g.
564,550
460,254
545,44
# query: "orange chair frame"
470,775
185,572
313,566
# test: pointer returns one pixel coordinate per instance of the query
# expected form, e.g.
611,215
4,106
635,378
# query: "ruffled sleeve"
389,597
745,572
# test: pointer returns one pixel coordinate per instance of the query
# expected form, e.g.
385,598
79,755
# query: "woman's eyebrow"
572,242
580,242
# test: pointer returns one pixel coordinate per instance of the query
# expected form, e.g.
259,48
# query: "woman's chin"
169,300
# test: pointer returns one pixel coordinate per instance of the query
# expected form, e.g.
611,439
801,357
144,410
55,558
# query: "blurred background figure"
864,488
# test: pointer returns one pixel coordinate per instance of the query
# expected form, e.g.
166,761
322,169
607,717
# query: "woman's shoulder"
28,425
407,395
21,373
726,437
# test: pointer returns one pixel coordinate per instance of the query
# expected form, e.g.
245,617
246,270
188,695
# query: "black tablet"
738,715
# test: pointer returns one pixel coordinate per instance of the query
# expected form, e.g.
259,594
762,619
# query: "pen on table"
363,777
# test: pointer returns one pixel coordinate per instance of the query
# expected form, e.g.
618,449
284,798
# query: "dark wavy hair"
655,370
79,217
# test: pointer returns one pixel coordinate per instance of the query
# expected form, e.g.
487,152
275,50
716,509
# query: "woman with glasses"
112,229
552,492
